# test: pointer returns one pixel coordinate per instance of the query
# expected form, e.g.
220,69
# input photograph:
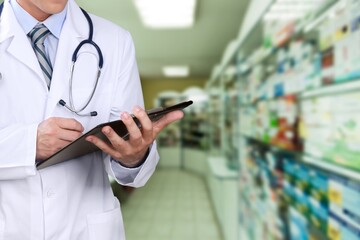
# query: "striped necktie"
37,36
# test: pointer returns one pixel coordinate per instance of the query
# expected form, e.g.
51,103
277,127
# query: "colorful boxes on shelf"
332,128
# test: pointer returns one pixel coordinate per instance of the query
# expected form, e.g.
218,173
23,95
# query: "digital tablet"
81,147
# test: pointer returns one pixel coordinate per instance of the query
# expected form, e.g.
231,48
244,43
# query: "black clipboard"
81,147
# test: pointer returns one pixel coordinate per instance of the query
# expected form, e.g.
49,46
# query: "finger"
69,123
146,124
68,135
133,129
116,141
166,120
104,146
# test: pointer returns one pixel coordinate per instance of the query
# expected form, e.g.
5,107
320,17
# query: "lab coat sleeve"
135,177
18,151
127,95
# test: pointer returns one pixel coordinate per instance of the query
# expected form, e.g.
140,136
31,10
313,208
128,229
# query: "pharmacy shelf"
302,28
332,168
319,163
254,96
332,89
272,146
324,90
220,169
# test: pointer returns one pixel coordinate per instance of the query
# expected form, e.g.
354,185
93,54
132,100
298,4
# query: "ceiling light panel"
176,71
166,13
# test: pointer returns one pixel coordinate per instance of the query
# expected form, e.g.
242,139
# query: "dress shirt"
54,23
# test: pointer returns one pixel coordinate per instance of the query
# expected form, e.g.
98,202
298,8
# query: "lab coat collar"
77,19
75,30
11,31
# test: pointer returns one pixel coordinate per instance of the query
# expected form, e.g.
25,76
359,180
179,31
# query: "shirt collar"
54,23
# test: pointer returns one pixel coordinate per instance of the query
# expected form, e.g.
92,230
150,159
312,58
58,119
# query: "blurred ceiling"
200,47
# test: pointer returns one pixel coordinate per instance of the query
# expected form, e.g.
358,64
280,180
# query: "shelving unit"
184,144
292,113
214,118
222,155
169,139
194,141
194,129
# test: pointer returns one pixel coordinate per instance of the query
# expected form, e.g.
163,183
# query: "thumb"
166,120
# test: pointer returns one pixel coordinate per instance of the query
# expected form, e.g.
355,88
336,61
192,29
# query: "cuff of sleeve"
127,175
143,174
140,163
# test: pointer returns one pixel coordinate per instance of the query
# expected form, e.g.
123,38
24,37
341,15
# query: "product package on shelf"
339,44
306,193
247,121
340,229
303,177
344,199
319,186
312,73
214,112
277,123
287,131
260,186
355,39
298,225
331,128
319,215
327,65
318,200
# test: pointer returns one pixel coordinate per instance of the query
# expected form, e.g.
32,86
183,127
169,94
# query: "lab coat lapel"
12,34
73,32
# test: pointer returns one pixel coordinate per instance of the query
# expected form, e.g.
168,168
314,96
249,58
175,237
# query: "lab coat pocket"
107,225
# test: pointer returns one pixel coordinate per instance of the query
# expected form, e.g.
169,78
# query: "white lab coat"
72,200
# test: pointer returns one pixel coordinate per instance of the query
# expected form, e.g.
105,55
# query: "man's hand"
130,153
55,133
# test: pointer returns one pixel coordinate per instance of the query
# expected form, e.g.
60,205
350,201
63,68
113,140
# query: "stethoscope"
90,41
74,57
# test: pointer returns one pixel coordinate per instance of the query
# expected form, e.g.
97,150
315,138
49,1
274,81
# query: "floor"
173,205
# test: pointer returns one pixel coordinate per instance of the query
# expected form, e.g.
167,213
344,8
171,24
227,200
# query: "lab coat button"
50,193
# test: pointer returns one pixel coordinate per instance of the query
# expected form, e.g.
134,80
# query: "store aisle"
173,205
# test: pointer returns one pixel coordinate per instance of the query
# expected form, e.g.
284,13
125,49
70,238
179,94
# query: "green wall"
152,87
